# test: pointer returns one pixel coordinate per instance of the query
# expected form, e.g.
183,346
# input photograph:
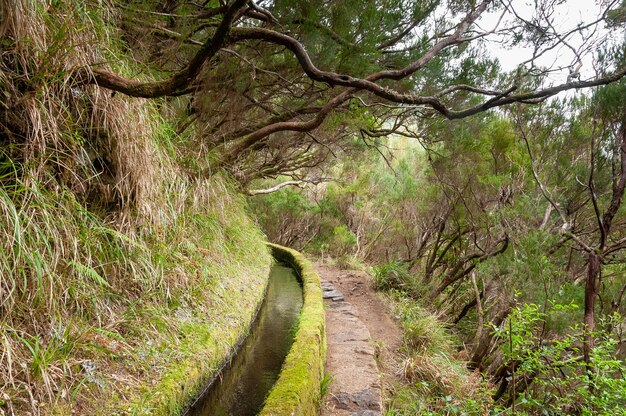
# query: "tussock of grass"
298,390
116,266
395,275
435,380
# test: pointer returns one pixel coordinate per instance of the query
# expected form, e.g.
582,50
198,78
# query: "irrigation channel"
243,385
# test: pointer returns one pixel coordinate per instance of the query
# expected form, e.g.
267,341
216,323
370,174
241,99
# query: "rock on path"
356,386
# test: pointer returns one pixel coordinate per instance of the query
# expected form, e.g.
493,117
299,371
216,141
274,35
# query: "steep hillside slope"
125,279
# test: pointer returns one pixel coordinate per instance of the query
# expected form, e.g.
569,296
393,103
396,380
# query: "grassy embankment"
125,279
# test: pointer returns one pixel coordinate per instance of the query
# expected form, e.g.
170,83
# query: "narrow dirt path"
363,342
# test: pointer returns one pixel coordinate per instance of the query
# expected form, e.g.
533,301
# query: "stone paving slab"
333,294
356,388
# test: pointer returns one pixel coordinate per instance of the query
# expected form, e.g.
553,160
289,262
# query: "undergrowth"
394,275
434,378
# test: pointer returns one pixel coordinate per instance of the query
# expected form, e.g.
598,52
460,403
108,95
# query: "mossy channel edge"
298,389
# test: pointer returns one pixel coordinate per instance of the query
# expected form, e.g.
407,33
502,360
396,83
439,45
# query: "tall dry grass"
97,222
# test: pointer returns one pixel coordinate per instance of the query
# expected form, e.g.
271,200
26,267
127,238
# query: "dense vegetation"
378,133
475,256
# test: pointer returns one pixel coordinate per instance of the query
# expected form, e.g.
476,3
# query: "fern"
89,272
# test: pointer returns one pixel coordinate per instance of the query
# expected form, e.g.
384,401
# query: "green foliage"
285,216
327,380
562,383
343,240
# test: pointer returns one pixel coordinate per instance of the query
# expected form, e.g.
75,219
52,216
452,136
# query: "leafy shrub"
343,240
562,383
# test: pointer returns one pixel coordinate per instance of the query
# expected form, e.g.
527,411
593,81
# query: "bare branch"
299,183
275,188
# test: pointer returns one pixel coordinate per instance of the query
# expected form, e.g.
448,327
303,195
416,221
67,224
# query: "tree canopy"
302,74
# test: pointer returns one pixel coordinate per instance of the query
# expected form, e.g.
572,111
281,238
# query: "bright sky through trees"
564,18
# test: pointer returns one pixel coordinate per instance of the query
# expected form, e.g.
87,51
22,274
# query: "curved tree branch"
299,183
180,81
253,192
369,83
302,126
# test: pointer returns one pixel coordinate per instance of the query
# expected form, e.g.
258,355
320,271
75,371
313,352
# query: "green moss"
298,389
219,315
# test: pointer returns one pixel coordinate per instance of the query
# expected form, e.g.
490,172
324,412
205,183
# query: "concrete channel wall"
297,391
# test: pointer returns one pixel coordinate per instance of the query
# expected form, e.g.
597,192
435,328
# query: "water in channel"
254,370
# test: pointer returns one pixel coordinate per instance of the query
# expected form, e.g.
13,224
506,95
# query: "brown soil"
363,343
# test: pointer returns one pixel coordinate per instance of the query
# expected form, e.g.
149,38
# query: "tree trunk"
484,342
591,292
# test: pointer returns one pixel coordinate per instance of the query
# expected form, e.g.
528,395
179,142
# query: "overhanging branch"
278,187
179,82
